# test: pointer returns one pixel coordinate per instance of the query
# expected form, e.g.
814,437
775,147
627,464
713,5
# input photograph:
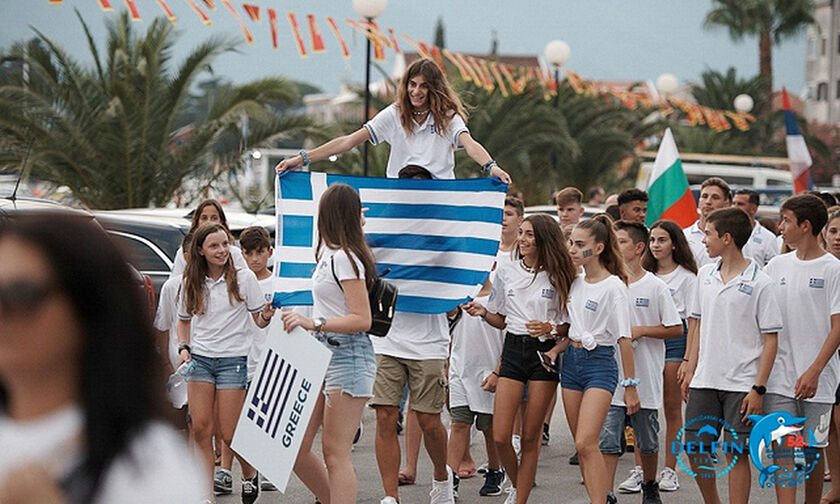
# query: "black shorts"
520,360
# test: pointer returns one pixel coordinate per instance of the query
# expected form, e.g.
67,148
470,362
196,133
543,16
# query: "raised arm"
335,146
479,154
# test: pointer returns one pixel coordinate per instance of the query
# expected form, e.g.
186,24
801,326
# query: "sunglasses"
23,297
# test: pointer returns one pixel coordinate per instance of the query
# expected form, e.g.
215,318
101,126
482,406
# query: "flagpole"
367,102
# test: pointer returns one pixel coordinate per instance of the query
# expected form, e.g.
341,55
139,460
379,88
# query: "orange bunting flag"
476,77
106,5
344,51
167,12
132,9
55,2
485,72
317,39
738,120
248,36
373,34
464,74
253,12
494,68
425,48
272,22
575,81
422,51
301,47
210,4
436,56
378,41
515,86
201,14
394,40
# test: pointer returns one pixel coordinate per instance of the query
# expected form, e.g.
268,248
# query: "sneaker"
511,498
493,479
650,493
668,481
455,482
611,498
573,460
250,490
266,486
633,483
222,482
359,433
442,492
482,468
516,441
545,435
388,500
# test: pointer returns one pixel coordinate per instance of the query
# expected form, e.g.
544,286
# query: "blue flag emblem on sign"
274,386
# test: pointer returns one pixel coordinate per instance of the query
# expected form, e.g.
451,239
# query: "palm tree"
110,132
771,21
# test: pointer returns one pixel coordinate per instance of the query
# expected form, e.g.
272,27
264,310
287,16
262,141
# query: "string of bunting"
486,74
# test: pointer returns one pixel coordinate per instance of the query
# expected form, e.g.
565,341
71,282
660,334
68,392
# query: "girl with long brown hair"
345,271
218,306
424,126
528,300
599,315
209,211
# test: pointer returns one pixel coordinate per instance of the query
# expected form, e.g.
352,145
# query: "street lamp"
743,103
557,53
667,83
368,9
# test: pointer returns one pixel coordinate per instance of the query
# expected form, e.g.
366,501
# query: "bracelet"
495,373
488,166
184,346
306,159
686,360
629,382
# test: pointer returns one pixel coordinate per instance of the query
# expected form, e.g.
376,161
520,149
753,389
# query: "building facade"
822,64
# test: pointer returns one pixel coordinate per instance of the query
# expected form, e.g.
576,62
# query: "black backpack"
383,299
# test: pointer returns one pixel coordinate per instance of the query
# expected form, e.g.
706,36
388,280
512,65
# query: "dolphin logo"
768,429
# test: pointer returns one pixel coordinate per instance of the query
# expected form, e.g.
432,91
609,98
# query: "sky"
610,39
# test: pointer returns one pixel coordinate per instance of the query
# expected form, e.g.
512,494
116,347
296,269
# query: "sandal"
466,473
404,479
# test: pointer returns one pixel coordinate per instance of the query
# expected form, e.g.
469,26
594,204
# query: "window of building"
822,91
809,94
824,44
812,47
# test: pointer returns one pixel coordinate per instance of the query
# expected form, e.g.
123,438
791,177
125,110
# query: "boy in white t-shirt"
805,373
730,352
654,319
761,247
166,316
714,194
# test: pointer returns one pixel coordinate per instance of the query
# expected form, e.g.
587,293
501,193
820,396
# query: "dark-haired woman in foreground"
80,412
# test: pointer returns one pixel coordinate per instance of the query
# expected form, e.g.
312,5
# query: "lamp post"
557,53
743,103
667,84
368,9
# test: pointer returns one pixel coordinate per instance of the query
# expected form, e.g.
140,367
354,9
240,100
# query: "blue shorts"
583,369
675,347
224,372
645,423
352,368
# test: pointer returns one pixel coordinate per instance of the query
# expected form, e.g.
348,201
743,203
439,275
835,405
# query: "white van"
742,171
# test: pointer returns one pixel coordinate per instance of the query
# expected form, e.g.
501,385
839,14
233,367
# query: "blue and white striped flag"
438,237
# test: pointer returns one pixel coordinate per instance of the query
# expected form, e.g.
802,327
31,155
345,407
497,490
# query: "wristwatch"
629,382
760,389
553,333
319,324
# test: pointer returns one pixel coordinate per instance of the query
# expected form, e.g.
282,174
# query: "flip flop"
466,473
405,479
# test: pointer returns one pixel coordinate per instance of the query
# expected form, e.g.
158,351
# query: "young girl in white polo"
599,316
669,256
220,303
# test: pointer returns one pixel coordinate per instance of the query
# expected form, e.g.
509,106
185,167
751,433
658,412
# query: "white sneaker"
511,498
388,500
633,483
668,481
516,441
442,491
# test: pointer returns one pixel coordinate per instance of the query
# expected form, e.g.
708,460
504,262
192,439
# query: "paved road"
557,481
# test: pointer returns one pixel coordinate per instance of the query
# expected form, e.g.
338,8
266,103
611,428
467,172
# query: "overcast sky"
610,39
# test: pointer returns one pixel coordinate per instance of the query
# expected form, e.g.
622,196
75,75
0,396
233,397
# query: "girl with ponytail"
598,307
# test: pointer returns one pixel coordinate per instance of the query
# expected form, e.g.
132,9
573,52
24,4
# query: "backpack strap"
332,267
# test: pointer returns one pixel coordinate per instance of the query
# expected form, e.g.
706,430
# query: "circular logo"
704,454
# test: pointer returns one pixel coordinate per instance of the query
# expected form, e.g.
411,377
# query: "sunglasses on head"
23,297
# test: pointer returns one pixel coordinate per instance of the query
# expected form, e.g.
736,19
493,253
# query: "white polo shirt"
761,247
522,297
809,294
682,284
600,310
224,329
733,316
650,305
166,316
695,236
426,147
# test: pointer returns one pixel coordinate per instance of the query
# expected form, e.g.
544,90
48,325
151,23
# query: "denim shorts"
224,372
645,423
675,347
583,369
352,367
520,360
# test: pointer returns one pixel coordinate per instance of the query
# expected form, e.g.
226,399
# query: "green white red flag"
670,197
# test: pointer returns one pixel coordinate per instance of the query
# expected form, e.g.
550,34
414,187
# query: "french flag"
798,155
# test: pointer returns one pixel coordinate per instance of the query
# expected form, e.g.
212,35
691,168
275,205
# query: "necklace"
526,267
420,112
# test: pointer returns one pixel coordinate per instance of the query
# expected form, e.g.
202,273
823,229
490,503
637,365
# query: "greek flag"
438,237
274,385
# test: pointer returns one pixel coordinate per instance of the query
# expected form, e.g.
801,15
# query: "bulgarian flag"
670,197
798,156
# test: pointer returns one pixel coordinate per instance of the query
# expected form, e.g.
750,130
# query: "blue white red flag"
438,237
799,157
